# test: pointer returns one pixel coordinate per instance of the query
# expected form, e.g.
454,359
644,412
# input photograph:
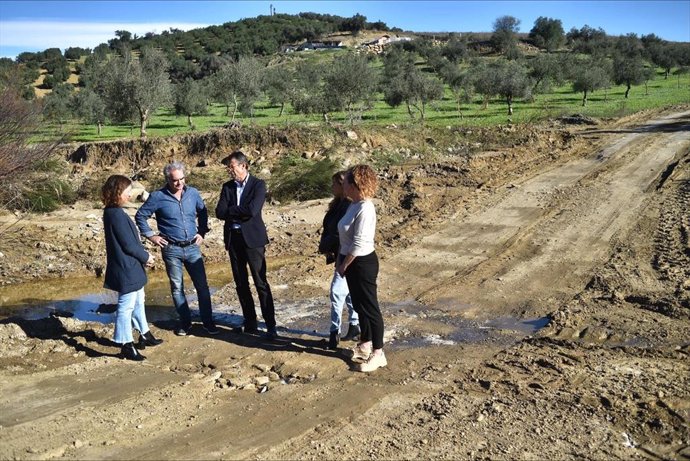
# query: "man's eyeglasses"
177,180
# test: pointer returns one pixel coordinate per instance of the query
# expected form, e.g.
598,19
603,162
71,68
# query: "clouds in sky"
40,35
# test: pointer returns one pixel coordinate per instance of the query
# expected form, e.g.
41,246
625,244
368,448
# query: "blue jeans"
175,258
340,294
130,312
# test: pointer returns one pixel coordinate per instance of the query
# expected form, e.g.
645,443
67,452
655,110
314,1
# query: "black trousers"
240,258
361,280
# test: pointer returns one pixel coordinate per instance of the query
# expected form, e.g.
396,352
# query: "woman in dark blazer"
329,245
124,272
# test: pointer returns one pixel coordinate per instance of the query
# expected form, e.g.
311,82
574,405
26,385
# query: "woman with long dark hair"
124,272
330,246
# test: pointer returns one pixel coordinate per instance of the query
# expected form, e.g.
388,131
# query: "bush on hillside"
297,179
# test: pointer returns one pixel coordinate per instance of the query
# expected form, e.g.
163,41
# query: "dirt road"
594,244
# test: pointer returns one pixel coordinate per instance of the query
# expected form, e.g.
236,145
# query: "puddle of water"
526,326
85,298
452,313
407,322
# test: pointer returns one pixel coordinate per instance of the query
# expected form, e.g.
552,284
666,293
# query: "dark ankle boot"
353,333
333,340
148,339
129,352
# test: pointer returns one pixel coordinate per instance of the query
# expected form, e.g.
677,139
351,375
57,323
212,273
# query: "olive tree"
250,73
350,84
683,70
149,86
404,83
512,82
547,70
238,83
90,108
547,33
133,89
278,86
460,83
307,96
504,37
224,87
628,65
56,105
418,90
590,75
484,81
660,52
190,99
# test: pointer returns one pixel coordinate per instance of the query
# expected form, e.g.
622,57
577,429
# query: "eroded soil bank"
537,306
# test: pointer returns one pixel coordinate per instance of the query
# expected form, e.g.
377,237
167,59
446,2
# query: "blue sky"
38,25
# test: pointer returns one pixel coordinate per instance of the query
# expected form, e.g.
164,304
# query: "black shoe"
250,329
183,330
353,333
147,339
333,340
129,352
271,334
211,329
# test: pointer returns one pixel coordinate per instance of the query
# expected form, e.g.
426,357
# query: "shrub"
207,179
295,178
47,195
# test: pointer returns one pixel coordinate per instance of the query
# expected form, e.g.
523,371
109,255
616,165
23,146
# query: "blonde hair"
363,177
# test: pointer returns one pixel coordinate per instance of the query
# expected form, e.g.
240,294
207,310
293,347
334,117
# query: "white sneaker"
374,362
360,353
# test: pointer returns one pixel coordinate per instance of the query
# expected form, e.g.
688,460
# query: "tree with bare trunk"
238,83
190,99
278,86
628,65
132,89
590,75
149,85
350,85
504,37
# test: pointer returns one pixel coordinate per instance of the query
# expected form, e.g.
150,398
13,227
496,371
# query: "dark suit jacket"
247,213
126,255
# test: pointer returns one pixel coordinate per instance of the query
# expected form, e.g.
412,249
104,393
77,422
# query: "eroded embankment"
434,172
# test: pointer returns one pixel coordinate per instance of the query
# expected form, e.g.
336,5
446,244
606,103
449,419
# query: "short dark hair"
113,188
238,156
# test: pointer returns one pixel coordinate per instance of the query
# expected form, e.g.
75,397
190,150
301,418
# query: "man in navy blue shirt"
178,208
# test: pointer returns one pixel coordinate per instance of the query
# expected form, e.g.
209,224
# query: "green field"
562,101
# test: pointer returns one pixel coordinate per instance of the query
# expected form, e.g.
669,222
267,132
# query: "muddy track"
543,239
598,243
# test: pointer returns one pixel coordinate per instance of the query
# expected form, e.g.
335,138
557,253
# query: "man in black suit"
244,233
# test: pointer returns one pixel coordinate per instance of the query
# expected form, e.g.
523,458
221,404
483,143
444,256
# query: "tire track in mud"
672,239
544,238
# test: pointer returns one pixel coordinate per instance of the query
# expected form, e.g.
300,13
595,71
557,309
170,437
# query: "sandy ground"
538,311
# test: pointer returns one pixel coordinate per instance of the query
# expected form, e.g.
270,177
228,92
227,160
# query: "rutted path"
529,252
545,236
